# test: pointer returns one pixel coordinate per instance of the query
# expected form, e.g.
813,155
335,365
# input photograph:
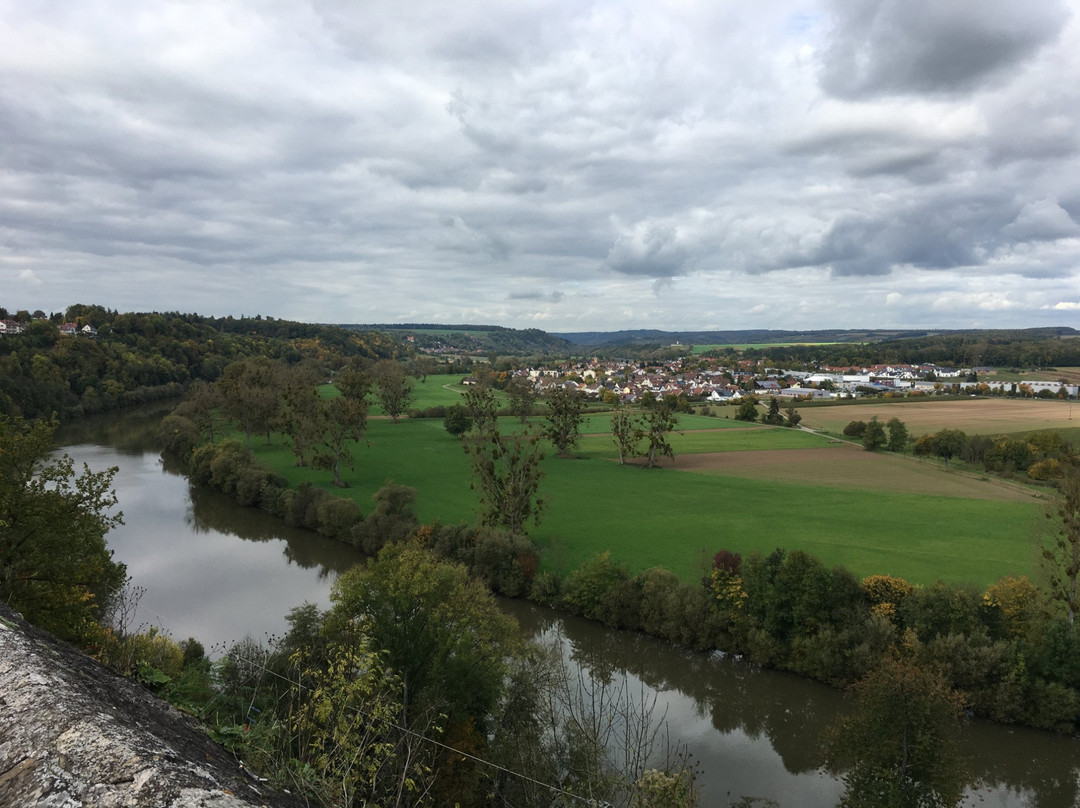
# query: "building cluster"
628,382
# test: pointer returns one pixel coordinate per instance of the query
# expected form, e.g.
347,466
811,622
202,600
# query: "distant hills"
734,337
510,341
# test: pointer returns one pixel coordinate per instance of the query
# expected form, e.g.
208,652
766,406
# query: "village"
627,382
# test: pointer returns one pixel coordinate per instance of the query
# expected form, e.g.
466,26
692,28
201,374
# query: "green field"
740,346
672,518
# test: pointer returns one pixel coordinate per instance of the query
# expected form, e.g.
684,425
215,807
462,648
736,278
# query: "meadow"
731,485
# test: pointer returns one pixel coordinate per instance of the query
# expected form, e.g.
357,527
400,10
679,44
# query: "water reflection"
754,732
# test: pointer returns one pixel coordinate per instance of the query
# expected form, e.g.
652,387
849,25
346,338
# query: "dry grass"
849,467
976,416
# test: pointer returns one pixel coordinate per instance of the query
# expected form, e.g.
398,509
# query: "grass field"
915,522
739,346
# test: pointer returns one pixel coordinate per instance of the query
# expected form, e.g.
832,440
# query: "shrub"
337,516
855,429
590,584
506,562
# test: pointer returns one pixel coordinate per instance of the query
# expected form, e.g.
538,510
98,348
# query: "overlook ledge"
74,733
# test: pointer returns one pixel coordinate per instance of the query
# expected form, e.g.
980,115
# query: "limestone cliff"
73,733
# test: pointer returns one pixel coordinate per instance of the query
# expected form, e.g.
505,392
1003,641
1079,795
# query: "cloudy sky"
560,164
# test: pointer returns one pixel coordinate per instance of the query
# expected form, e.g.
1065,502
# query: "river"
210,569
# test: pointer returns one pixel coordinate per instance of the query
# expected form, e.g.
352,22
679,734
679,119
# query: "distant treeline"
476,339
1028,348
138,357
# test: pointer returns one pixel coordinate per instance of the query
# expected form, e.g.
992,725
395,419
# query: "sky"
567,165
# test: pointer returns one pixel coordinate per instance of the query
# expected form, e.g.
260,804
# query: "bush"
590,586
855,429
179,436
337,516
504,561
392,521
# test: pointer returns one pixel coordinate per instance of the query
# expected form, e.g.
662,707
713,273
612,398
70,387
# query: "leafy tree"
422,367
626,433
201,405
522,393
302,410
507,474
748,410
946,444
899,747
874,436
457,420
250,396
480,405
793,416
441,632
393,387
658,422
55,567
565,412
898,435
344,420
343,711
1061,554
855,429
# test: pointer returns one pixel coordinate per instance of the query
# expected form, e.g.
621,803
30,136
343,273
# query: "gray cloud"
892,46
580,166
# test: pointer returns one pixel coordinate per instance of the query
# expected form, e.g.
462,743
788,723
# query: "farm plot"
976,416
849,467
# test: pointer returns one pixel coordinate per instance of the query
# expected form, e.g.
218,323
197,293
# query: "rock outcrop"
73,733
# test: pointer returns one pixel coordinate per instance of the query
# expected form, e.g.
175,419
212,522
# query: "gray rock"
73,733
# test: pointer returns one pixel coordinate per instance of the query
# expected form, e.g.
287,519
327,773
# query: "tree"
747,409
773,416
250,396
1061,554
480,405
200,406
945,444
442,633
506,474
626,433
344,420
855,429
55,567
874,436
659,421
793,416
302,410
565,408
457,420
424,366
393,387
899,747
522,393
898,435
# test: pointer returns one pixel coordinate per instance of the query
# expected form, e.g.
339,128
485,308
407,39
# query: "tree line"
139,357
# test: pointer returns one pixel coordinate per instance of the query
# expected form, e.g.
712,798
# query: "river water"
209,569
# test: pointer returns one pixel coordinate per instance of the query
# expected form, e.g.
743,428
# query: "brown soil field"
850,467
976,416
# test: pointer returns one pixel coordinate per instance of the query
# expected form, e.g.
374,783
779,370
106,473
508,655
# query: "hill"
472,339
765,336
